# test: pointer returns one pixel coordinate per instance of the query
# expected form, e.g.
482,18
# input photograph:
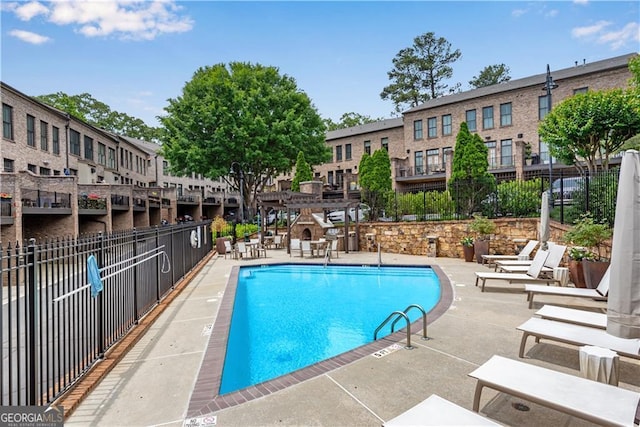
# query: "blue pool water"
286,317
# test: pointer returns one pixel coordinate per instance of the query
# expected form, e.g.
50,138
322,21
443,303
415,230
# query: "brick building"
64,177
506,116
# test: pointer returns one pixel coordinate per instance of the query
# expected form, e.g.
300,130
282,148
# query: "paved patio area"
153,383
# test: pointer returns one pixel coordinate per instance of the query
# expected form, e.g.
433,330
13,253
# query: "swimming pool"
206,398
286,317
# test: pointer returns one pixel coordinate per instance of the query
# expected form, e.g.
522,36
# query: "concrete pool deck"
153,383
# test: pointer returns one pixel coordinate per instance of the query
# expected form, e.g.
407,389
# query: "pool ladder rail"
397,315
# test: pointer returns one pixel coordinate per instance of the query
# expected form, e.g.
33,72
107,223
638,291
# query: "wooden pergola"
295,201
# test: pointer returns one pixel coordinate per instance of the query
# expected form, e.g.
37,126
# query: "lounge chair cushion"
436,411
571,315
596,402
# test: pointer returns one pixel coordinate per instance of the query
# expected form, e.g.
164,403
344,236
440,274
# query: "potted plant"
483,227
585,235
467,248
527,153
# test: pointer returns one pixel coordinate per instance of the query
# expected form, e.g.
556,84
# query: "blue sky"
134,55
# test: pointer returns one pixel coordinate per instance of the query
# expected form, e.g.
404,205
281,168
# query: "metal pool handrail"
396,313
424,320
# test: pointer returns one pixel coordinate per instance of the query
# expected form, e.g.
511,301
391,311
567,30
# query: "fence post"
135,276
33,316
561,196
158,272
173,274
100,302
587,184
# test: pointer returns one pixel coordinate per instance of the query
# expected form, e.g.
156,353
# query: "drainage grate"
520,406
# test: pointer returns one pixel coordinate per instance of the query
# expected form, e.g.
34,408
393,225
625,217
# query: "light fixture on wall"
487,138
46,162
520,135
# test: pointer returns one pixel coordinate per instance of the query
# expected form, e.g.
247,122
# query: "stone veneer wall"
412,237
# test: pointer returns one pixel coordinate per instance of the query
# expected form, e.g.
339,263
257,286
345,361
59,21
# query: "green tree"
348,120
244,115
419,71
97,113
470,181
590,127
491,75
374,177
303,172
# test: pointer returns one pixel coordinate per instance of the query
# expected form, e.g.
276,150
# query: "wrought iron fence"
571,196
54,330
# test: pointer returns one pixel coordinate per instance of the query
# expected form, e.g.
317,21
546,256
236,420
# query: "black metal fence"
571,196
54,329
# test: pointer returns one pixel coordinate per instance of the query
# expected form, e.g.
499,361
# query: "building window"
384,143
432,160
340,178
55,139
130,164
491,154
31,131
74,142
7,121
102,153
8,165
88,148
471,120
542,107
112,158
432,127
446,124
338,153
32,168
419,161
347,151
367,147
505,114
330,177
165,168
44,136
506,152
580,90
446,152
45,171
417,129
487,117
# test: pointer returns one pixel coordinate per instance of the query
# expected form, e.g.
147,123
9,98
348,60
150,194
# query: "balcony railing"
92,202
409,171
45,199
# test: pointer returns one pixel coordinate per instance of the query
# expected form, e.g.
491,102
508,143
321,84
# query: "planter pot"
576,273
468,253
481,247
593,272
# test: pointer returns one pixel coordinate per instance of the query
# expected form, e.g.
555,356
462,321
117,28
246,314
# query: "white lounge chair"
526,251
599,293
576,335
436,411
531,276
229,250
572,315
556,253
599,403
243,250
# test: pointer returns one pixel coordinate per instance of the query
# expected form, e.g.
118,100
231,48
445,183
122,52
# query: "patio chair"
556,253
578,335
305,247
295,246
277,241
599,293
606,404
333,248
572,315
436,411
229,250
243,250
531,276
526,251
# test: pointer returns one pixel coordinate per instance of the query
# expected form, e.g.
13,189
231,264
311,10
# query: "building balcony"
38,202
119,202
6,210
92,204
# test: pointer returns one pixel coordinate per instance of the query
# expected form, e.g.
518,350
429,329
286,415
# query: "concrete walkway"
152,384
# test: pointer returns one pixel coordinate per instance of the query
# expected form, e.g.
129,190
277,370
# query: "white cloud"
125,19
29,37
581,2
552,13
590,30
518,12
617,39
29,10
